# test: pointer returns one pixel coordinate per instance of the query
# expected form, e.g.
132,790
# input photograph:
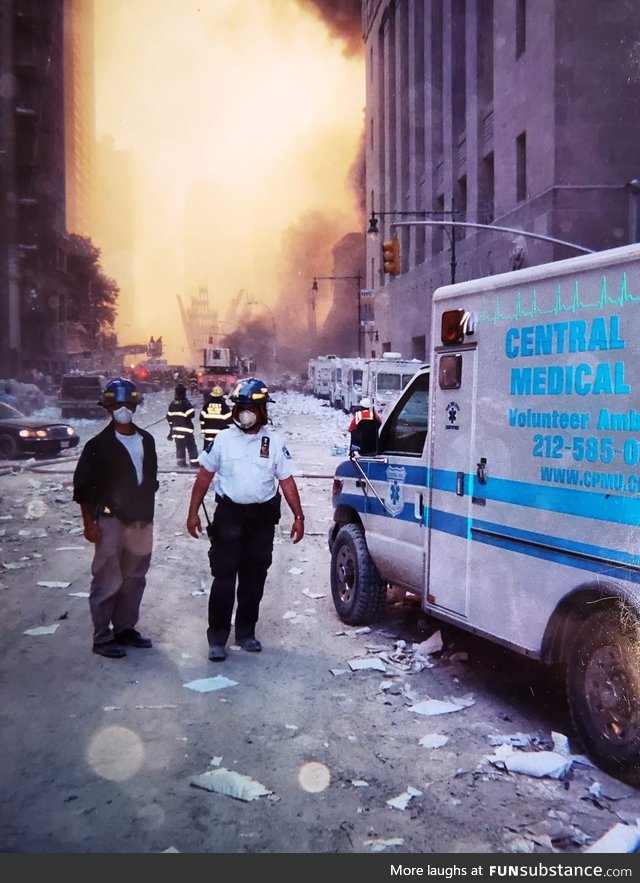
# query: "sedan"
30,435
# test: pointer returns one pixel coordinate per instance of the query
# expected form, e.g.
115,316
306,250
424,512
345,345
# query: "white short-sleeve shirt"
247,467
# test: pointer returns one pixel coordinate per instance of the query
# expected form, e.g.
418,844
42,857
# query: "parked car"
29,435
80,394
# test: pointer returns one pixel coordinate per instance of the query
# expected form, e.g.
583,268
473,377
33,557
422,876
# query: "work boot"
253,645
217,653
132,638
109,649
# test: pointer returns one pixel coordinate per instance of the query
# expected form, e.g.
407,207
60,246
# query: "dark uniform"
180,414
214,416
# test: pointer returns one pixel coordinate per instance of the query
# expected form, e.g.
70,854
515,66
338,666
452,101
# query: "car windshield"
8,412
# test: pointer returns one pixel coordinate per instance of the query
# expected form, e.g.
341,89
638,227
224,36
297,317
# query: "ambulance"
505,492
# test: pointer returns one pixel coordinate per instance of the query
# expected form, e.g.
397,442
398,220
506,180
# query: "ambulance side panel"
535,456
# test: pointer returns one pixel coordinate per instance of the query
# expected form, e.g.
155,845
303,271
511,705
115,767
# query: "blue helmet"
120,392
251,391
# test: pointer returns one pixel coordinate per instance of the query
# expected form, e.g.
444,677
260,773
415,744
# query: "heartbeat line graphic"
521,311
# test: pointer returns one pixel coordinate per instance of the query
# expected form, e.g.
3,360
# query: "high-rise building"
510,113
33,278
79,86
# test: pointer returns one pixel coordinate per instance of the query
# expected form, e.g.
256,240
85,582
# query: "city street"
319,733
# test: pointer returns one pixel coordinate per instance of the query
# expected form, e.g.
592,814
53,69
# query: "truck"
220,367
505,490
320,375
385,378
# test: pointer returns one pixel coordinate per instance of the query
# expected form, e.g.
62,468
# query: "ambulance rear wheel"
359,594
603,689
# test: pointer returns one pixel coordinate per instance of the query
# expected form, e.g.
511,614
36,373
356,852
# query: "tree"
94,295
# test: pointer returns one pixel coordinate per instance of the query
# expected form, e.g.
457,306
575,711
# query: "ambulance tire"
359,593
603,690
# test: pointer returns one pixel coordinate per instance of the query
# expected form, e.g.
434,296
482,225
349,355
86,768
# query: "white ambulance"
506,487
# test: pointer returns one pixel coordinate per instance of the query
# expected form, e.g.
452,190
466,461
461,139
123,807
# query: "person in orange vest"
364,427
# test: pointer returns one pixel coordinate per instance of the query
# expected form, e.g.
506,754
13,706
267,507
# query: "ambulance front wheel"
358,591
603,688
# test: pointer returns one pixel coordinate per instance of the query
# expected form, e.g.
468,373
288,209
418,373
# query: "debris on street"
208,685
438,706
402,801
231,784
43,630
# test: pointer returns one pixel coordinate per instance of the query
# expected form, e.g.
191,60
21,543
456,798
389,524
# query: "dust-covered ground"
100,756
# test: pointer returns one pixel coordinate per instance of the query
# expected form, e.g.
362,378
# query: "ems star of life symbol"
394,500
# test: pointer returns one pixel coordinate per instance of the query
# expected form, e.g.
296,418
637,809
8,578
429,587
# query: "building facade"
512,113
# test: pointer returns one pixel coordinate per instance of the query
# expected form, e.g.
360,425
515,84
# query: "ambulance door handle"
460,484
481,470
418,506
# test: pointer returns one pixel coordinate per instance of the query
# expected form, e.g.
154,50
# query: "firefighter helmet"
120,392
250,391
217,392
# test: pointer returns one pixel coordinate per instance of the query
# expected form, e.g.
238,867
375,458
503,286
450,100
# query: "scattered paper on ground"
620,838
207,685
380,845
43,630
531,763
402,800
69,548
314,595
434,740
231,784
78,594
438,706
360,664
295,571
52,584
433,644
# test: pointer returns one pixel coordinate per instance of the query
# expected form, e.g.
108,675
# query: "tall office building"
79,87
513,113
33,278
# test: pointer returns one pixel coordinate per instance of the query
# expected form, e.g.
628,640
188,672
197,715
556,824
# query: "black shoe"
132,638
217,653
110,649
253,645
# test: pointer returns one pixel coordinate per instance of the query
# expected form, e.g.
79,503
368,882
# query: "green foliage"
94,296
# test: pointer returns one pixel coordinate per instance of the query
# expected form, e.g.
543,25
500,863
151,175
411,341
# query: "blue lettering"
510,343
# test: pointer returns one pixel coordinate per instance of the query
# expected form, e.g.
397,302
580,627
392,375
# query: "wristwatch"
298,517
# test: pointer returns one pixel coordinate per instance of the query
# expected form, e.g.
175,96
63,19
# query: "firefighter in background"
214,416
180,414
364,428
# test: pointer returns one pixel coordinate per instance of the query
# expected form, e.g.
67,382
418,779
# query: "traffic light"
391,256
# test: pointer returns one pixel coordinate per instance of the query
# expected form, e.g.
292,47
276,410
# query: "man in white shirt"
249,465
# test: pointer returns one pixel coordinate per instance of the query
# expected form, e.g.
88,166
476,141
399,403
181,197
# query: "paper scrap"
43,630
78,594
532,763
381,844
231,784
438,706
620,838
402,800
52,584
434,740
295,571
207,685
433,644
361,664
314,595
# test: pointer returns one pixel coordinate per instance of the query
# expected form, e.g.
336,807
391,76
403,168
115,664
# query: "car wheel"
603,690
8,446
358,591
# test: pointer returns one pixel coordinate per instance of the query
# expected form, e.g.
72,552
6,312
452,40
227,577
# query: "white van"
386,377
506,488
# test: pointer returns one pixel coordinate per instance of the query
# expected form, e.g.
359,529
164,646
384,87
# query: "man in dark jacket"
180,414
214,416
115,482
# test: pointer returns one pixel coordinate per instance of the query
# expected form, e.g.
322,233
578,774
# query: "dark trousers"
184,446
241,551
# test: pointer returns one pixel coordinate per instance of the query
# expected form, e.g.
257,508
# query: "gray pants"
119,569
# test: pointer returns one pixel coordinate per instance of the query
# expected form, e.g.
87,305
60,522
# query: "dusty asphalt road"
98,755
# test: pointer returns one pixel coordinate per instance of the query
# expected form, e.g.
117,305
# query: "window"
521,27
405,431
521,167
486,190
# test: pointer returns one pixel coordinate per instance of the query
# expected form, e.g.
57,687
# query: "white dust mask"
123,415
246,419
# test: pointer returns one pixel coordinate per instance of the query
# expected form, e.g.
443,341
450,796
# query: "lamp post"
358,279
447,226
